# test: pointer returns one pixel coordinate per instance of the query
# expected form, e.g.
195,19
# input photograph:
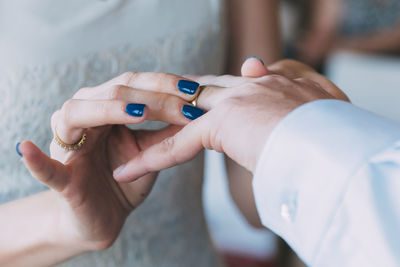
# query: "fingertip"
29,151
258,58
135,109
17,149
118,171
25,148
188,87
31,155
136,113
191,112
254,67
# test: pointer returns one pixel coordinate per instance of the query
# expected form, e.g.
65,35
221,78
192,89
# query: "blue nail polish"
17,149
135,110
188,87
191,112
259,59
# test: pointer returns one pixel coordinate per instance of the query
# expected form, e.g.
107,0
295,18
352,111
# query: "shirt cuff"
307,163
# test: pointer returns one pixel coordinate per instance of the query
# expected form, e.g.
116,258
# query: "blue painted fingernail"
17,149
191,112
188,87
259,59
135,110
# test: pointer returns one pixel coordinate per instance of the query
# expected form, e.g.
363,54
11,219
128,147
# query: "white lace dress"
49,49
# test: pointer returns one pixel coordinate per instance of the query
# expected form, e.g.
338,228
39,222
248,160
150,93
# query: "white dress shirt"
328,182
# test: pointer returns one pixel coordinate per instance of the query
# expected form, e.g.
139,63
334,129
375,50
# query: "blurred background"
356,43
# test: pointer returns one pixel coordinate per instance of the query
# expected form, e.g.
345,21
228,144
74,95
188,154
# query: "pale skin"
231,102
82,181
86,208
60,222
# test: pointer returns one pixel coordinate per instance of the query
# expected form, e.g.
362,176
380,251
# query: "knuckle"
273,78
116,92
66,110
162,103
161,81
233,103
168,147
168,144
128,77
250,88
168,103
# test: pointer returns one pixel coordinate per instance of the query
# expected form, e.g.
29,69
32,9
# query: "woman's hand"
92,206
241,114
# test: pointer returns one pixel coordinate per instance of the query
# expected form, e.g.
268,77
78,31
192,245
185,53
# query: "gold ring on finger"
195,100
70,147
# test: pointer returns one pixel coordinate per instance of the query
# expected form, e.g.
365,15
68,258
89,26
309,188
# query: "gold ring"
69,147
194,101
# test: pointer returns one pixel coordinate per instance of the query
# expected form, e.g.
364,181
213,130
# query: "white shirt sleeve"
328,182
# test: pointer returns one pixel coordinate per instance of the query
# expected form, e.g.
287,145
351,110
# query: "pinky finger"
46,170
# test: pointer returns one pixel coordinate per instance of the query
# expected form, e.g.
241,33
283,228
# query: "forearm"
242,192
254,31
30,234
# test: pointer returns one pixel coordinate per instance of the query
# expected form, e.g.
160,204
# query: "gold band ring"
195,100
69,147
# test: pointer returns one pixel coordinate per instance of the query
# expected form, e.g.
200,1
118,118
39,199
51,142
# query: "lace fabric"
168,229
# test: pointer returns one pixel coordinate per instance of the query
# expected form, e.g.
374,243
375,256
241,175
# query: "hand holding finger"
78,114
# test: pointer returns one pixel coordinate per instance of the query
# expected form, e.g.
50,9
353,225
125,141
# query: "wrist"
31,235
60,231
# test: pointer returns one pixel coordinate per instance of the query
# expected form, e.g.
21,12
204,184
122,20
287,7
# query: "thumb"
254,67
48,171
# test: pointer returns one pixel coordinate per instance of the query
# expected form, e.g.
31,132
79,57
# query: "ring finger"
79,114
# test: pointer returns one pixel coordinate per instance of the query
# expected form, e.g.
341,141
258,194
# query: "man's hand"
242,112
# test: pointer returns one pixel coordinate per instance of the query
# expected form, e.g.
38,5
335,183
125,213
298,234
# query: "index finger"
148,81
